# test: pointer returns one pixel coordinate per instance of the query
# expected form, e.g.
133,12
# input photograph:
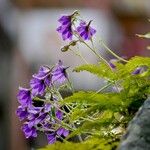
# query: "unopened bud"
73,43
65,48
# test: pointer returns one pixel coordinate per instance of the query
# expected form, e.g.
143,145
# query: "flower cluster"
68,27
38,111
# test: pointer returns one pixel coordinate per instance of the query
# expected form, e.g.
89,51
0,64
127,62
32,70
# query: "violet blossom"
29,131
38,86
42,73
61,132
22,112
85,30
66,27
59,73
24,97
137,71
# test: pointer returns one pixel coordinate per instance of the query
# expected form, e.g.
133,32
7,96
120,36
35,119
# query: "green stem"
87,119
93,50
101,89
109,50
64,124
79,136
99,56
79,54
70,84
43,100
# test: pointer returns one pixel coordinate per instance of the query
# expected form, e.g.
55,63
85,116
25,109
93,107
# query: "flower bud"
65,48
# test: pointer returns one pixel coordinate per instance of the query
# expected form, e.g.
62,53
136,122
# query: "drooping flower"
38,86
24,97
38,115
42,73
62,132
29,131
66,22
112,63
66,27
52,137
85,30
48,80
22,112
59,73
59,114
137,71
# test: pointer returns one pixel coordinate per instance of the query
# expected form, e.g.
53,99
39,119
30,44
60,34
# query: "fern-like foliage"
91,144
102,70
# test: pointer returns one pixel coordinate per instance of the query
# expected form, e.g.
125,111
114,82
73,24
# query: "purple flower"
42,73
66,27
34,110
48,80
24,97
59,73
51,137
38,86
22,112
59,114
62,132
38,115
47,108
112,63
85,30
137,71
29,131
36,120
65,20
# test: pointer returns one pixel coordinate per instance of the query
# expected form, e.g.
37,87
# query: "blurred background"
28,39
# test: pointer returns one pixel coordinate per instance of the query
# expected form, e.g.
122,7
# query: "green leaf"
136,62
90,144
100,101
102,70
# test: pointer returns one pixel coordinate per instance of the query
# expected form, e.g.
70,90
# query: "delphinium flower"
47,115
43,72
65,28
24,96
59,73
22,112
38,86
112,63
52,137
29,131
40,80
137,71
85,30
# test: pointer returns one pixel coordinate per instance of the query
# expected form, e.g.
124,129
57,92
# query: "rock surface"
137,136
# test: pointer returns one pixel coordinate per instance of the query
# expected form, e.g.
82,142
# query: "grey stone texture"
137,136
